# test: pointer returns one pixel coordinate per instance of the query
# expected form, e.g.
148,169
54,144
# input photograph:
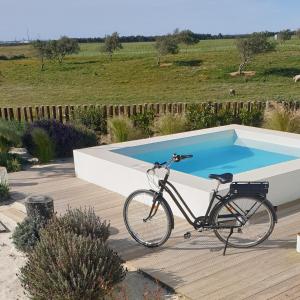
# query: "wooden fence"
63,113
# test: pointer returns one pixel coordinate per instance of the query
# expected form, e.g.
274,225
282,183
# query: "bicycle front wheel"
251,220
148,230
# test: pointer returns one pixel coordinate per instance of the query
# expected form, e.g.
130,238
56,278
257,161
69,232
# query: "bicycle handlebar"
174,158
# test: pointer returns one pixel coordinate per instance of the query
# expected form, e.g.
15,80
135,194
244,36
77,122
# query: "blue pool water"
214,154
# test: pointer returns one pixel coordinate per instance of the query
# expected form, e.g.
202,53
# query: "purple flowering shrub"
65,137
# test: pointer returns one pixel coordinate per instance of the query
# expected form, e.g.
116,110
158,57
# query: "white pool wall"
123,174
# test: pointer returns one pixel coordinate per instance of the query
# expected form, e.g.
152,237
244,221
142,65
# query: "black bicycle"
243,218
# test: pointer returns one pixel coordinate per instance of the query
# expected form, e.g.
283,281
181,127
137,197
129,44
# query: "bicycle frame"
196,222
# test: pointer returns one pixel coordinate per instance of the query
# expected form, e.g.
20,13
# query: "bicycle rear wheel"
252,220
150,231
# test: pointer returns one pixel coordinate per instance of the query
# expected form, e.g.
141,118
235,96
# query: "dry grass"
280,118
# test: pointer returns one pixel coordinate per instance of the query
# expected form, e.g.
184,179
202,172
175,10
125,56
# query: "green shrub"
144,122
27,233
43,145
92,117
203,116
12,162
83,222
200,116
64,265
169,124
121,129
4,191
280,118
65,137
225,117
10,134
253,117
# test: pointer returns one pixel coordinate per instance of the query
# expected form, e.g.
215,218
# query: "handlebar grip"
186,156
158,165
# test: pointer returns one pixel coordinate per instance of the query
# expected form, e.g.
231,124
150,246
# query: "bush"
4,191
12,162
43,145
201,116
65,137
64,265
168,124
251,118
83,222
13,57
10,134
280,118
92,117
225,117
27,233
121,129
144,122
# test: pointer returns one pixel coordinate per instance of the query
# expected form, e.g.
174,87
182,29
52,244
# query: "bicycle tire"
166,210
264,203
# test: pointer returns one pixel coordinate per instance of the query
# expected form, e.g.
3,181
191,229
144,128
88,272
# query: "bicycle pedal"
187,235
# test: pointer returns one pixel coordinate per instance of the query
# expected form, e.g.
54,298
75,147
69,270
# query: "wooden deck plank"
193,267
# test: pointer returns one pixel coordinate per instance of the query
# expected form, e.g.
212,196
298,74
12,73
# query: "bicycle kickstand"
226,244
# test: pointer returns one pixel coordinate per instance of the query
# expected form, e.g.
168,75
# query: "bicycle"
243,218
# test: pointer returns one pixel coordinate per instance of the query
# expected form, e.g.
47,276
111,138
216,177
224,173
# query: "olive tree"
43,50
55,49
187,37
112,43
284,35
64,46
251,46
166,45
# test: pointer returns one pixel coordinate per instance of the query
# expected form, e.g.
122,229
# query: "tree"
64,46
249,47
166,45
55,49
298,33
284,35
112,43
187,37
43,50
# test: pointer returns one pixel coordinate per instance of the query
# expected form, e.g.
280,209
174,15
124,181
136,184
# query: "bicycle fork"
153,209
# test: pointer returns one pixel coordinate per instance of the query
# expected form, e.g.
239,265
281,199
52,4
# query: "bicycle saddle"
223,178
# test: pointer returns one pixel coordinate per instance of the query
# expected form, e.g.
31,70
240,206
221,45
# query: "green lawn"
200,73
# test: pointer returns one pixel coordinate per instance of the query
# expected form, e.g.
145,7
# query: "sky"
48,19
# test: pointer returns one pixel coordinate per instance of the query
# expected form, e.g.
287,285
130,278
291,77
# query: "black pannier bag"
249,188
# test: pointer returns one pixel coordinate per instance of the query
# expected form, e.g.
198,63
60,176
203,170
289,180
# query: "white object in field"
296,78
3,175
298,242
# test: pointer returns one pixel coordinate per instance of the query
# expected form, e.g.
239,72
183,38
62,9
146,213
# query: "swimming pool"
217,154
251,154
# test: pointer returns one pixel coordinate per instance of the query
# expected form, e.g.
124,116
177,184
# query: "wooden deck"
195,267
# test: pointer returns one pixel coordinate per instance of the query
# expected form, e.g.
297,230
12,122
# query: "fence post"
60,114
37,112
11,113
54,112
67,113
30,114
19,118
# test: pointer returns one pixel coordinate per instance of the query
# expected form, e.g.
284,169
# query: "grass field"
200,73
